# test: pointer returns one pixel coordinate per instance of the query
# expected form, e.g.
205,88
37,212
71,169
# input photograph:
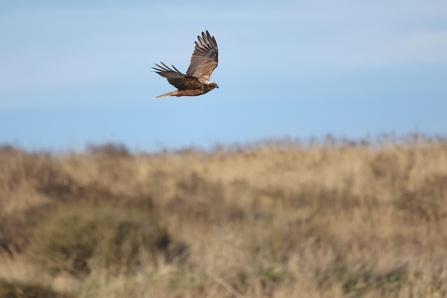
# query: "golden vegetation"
331,219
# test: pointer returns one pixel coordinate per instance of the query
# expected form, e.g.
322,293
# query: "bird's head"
213,85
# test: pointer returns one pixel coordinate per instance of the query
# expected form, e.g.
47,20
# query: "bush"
19,290
78,238
109,149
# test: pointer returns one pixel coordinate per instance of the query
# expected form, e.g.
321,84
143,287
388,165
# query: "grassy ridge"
337,219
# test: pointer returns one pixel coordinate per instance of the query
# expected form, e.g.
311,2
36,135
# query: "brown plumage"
196,81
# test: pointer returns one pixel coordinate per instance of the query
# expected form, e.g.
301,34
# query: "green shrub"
19,290
78,238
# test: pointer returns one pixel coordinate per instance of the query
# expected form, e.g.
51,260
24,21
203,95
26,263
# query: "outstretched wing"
204,59
176,78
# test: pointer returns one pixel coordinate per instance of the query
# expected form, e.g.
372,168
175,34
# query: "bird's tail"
173,93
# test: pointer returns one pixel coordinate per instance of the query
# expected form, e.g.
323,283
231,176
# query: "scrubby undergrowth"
19,290
80,237
273,220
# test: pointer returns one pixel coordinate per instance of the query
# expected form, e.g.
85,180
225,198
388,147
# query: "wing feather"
176,78
204,59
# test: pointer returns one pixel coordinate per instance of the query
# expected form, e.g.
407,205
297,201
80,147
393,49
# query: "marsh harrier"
196,81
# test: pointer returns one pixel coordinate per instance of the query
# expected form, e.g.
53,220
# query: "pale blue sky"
79,73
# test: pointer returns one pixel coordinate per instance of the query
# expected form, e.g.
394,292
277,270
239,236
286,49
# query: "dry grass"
334,219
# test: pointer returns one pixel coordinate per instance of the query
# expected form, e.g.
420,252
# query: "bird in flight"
196,81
